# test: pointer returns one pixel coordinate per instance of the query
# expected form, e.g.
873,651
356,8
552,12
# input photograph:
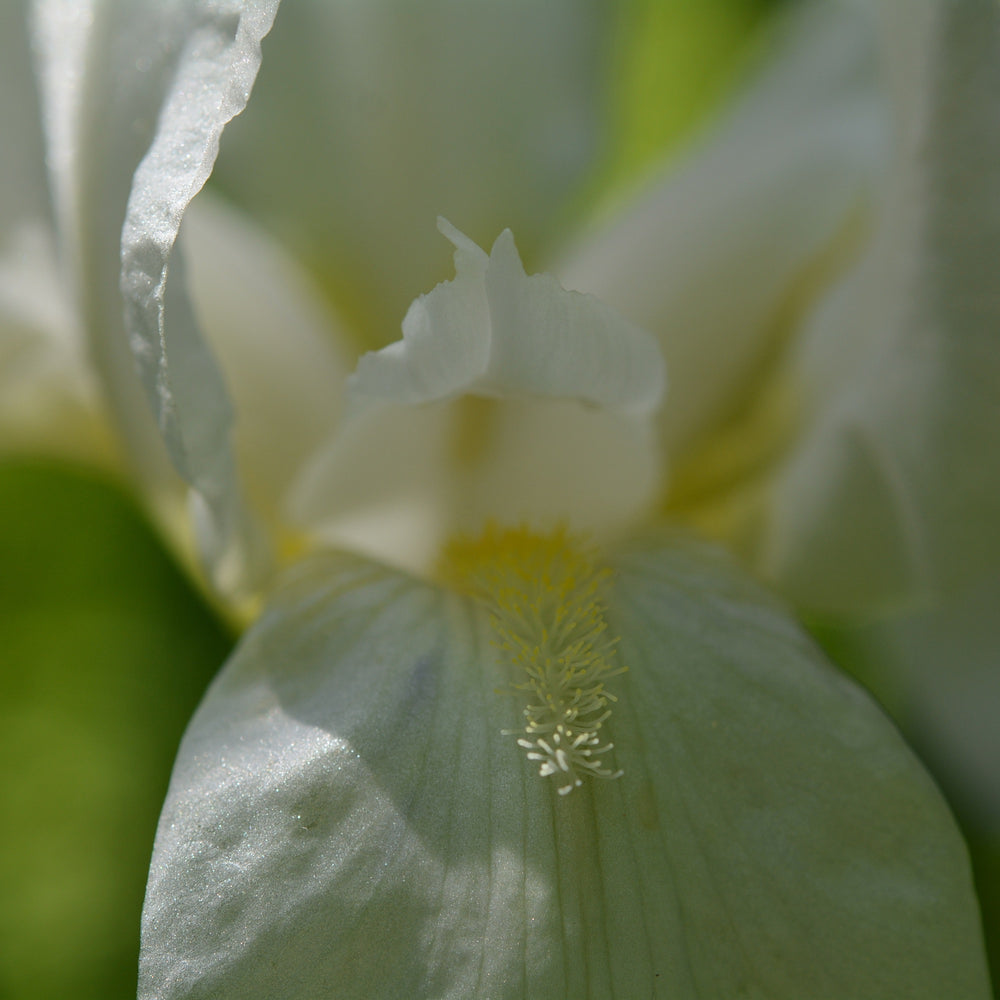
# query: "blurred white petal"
936,671
373,117
945,661
49,396
712,257
347,820
892,493
23,192
284,356
562,433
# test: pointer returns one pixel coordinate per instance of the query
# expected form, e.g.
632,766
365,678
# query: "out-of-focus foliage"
104,652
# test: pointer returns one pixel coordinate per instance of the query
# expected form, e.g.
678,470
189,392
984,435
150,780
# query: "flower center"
543,596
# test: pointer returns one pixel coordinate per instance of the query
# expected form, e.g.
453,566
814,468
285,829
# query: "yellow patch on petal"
543,596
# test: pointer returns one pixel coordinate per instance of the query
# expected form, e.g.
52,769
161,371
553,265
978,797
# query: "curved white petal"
284,356
712,257
98,89
210,83
494,331
136,96
507,398
373,117
346,818
891,494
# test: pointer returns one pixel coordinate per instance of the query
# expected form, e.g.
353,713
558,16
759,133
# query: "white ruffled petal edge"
493,331
508,399
135,97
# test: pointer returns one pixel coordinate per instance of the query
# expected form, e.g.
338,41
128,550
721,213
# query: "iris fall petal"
346,818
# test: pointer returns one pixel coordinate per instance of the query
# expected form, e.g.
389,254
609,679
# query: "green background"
105,650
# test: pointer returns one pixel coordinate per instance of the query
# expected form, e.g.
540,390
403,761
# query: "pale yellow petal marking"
543,596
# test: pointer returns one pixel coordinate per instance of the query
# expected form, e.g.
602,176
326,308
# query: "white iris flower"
502,724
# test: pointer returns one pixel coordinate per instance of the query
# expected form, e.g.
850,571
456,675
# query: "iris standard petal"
99,79
373,117
715,257
891,496
346,818
215,62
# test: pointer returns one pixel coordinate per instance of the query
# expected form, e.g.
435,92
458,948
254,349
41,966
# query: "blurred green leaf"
106,650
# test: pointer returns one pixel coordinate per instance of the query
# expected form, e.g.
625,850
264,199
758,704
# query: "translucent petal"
99,80
347,820
891,495
507,397
494,331
135,97
373,117
713,256
284,355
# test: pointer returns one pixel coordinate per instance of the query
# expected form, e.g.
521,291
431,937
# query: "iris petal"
890,497
507,397
135,96
49,393
709,256
373,117
346,818
285,356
